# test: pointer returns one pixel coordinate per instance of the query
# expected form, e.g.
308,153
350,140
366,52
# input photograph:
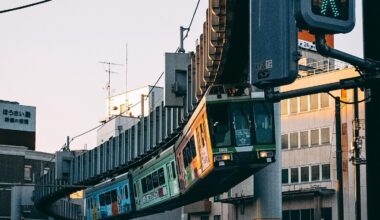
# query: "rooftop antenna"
126,79
108,86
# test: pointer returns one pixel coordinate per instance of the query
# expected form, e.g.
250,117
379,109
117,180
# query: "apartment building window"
304,137
216,217
285,176
304,103
325,100
305,174
325,135
314,136
204,217
294,140
294,175
293,105
327,213
314,102
27,172
326,172
315,173
284,141
284,107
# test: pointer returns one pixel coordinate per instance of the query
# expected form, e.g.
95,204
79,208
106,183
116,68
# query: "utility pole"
372,106
356,160
338,151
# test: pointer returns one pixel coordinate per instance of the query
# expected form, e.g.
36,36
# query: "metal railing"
322,66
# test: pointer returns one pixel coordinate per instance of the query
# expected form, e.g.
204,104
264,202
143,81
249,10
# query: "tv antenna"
108,86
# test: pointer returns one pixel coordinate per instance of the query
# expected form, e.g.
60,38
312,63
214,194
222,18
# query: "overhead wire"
24,6
191,21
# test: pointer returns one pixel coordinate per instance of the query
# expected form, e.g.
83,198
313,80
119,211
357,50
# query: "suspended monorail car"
229,137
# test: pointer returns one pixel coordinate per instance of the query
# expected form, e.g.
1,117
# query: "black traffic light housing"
326,16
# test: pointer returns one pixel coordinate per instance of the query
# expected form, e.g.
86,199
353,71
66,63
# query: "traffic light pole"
372,119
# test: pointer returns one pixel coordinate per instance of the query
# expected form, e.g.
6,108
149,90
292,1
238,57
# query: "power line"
191,22
24,6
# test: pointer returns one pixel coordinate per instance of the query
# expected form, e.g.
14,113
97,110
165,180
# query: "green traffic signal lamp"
326,16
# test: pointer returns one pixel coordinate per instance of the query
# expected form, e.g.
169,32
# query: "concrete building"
20,167
17,124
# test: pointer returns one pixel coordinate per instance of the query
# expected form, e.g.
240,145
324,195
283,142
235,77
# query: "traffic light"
273,43
326,16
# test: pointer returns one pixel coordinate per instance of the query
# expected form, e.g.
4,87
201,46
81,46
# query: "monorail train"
229,137
156,181
110,198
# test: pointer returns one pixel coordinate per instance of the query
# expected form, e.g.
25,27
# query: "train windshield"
241,123
263,117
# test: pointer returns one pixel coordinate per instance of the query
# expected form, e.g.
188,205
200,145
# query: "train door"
172,178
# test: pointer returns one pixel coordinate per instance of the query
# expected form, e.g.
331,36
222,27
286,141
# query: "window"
284,107
161,176
307,214
294,214
294,140
263,115
143,185
155,179
241,124
294,175
284,141
314,102
113,194
314,136
304,174
102,200
149,183
204,217
315,173
304,136
327,213
219,125
173,170
285,176
28,172
325,171
126,191
324,100
192,148
325,135
293,105
304,103
216,217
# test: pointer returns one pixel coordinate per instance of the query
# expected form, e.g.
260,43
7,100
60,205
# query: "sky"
50,54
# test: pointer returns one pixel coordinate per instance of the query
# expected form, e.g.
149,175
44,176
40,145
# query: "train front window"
241,123
219,124
263,114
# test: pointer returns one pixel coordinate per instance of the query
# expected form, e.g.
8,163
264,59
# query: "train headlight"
222,157
265,154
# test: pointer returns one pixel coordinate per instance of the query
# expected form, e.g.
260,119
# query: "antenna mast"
108,86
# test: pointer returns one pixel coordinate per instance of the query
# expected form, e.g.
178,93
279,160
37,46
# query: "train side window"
184,153
143,185
108,198
126,193
102,200
219,124
113,196
155,179
192,148
173,170
149,183
161,176
134,190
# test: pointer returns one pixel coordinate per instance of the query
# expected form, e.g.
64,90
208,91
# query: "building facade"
20,167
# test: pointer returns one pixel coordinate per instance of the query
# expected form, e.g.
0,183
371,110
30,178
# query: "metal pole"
357,159
372,107
339,158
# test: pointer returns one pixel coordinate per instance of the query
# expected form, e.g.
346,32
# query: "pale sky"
50,53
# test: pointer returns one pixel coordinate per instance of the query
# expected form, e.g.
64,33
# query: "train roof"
154,161
106,183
